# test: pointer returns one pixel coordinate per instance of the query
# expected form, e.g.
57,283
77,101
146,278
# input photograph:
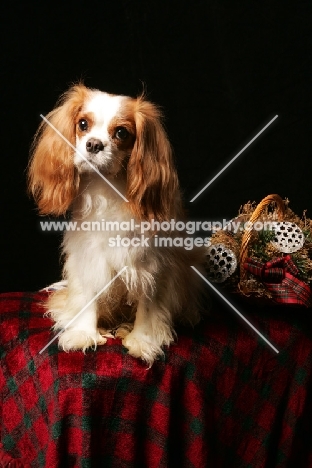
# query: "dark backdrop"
220,70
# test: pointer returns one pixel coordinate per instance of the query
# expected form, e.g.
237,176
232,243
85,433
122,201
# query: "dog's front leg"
152,330
76,314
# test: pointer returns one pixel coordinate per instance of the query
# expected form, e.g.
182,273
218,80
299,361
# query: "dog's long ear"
152,182
52,178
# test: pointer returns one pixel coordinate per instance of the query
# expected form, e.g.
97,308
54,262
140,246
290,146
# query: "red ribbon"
279,276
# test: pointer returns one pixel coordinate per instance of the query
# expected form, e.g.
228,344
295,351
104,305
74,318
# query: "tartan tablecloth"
221,397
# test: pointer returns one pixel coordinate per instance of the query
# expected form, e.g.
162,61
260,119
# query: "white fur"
91,264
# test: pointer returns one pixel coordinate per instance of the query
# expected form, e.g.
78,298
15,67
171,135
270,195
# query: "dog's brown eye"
121,133
83,125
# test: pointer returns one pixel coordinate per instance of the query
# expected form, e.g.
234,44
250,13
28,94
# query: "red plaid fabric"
6,461
279,277
220,398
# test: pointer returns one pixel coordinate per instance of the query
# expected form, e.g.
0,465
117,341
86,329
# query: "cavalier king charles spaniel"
106,157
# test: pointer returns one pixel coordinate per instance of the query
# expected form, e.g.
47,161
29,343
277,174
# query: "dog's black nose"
94,145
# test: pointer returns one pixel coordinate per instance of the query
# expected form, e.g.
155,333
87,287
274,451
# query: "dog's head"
90,130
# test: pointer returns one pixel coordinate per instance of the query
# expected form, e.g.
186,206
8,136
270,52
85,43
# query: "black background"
221,70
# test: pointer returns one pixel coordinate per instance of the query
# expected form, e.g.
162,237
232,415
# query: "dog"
107,159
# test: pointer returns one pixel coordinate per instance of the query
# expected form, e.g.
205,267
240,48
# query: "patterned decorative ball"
221,262
288,236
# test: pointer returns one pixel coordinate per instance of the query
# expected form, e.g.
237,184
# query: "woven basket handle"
254,217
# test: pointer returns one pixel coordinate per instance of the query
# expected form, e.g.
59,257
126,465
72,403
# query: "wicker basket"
243,282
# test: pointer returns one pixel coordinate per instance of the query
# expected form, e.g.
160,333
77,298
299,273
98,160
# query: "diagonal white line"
83,309
233,159
82,156
235,310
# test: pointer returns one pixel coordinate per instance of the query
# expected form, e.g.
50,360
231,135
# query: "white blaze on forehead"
104,108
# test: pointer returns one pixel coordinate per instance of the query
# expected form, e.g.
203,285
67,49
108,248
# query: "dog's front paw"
73,339
140,346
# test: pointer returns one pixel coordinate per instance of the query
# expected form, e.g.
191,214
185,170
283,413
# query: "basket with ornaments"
264,253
